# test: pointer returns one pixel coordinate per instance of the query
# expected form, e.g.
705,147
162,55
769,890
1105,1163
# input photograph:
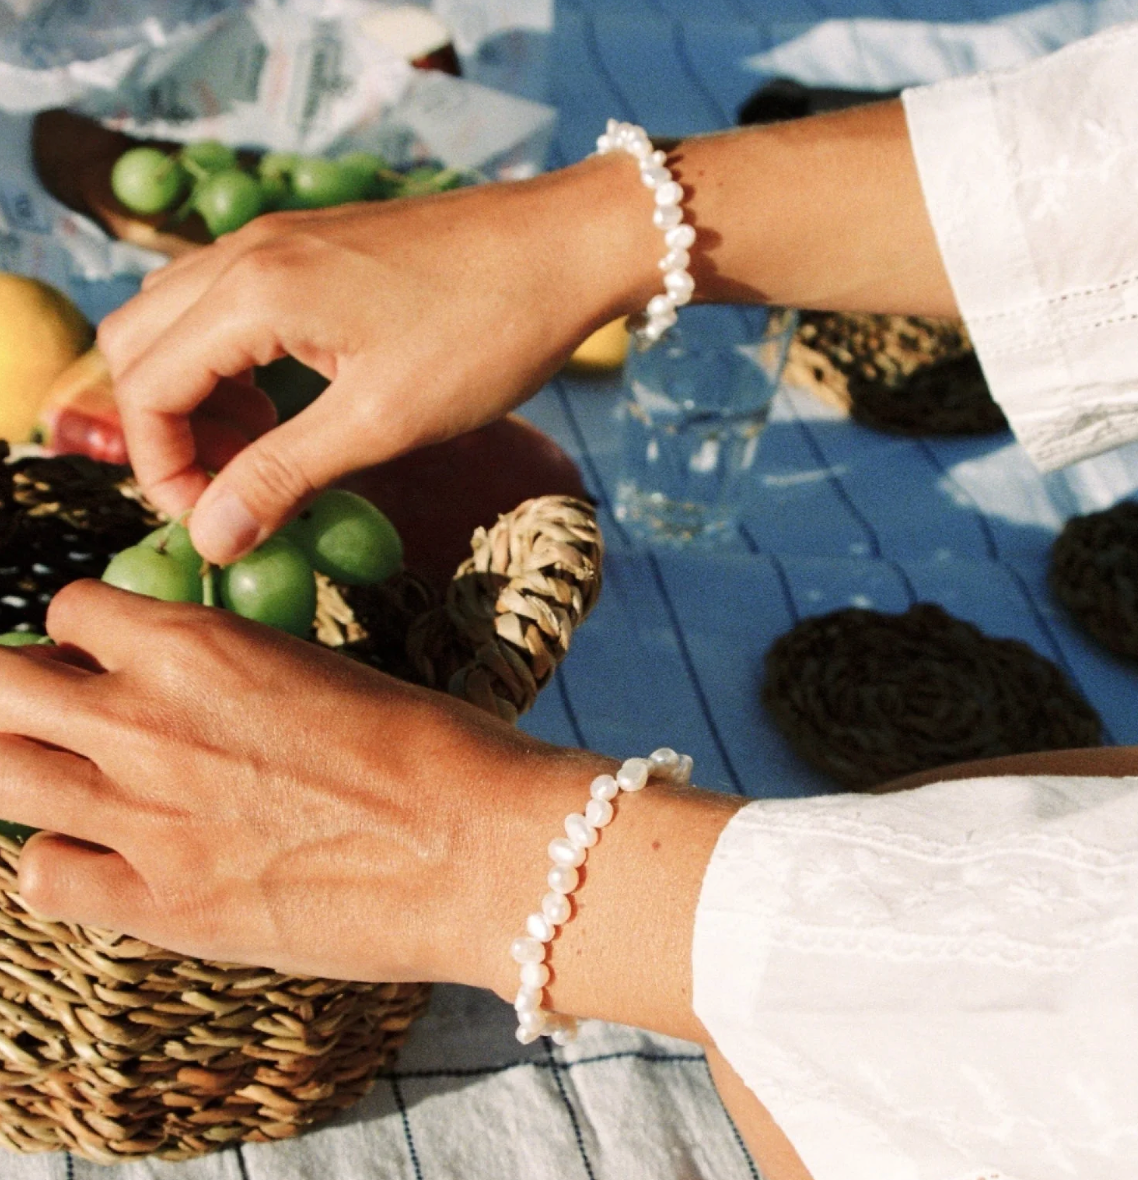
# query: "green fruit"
275,585
174,540
277,164
145,570
208,155
228,200
274,191
319,183
22,639
146,180
348,538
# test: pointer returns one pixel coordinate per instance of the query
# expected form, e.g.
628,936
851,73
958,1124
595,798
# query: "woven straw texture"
902,374
114,1048
867,697
1094,573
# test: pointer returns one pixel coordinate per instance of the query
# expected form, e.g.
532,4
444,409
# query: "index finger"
214,338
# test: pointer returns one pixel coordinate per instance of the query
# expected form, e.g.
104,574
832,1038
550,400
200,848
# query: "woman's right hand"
429,317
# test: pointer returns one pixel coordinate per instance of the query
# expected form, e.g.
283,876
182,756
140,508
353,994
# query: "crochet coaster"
902,374
867,697
1094,573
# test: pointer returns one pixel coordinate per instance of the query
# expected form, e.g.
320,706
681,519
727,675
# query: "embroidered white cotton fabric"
1030,178
936,985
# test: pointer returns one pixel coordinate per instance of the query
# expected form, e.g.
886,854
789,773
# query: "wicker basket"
114,1048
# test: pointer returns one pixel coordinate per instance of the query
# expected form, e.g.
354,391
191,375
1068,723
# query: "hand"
228,792
225,791
429,317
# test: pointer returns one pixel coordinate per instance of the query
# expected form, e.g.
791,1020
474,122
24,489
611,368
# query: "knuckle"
278,477
40,885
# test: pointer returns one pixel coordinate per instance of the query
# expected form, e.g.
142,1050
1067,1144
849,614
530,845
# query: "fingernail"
226,530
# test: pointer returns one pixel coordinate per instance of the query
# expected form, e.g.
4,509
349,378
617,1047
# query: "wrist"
625,953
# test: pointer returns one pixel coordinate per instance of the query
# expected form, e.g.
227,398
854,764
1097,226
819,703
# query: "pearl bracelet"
660,314
568,854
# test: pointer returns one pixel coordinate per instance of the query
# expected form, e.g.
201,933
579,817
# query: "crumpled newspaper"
289,75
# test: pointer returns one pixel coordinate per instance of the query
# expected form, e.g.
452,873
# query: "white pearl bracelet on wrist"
568,854
660,314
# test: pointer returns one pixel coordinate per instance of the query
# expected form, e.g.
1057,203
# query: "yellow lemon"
41,333
606,348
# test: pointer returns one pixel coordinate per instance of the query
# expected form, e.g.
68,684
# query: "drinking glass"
691,419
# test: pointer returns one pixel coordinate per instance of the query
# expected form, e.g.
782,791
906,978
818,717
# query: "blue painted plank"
580,87
718,53
894,486
733,608
549,719
626,679
640,55
819,585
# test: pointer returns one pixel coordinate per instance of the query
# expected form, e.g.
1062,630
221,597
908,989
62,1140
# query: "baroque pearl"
675,260
527,999
581,833
680,237
534,975
665,216
563,852
652,177
532,1021
526,949
669,194
599,812
633,774
540,927
563,878
555,906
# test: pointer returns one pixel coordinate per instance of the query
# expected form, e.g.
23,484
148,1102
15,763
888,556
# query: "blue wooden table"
837,514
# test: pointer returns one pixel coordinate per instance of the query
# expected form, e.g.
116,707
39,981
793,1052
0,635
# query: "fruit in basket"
22,639
147,180
207,155
317,183
41,333
157,573
274,584
348,538
228,200
173,539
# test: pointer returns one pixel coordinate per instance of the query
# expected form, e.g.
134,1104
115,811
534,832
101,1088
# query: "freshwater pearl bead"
679,282
664,759
534,1021
666,216
568,853
527,950
659,305
556,907
581,833
604,785
653,177
534,975
674,260
680,237
563,852
659,158
528,999
669,194
599,812
633,774
540,927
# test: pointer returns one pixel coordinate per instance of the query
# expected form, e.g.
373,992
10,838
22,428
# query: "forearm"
824,213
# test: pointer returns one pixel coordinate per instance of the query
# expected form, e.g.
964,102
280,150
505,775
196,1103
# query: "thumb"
264,484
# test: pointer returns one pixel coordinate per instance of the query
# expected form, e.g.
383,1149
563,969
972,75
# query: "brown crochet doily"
868,697
903,374
114,1048
1094,573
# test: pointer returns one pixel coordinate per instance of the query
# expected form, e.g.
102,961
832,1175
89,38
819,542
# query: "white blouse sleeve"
1031,181
940,984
